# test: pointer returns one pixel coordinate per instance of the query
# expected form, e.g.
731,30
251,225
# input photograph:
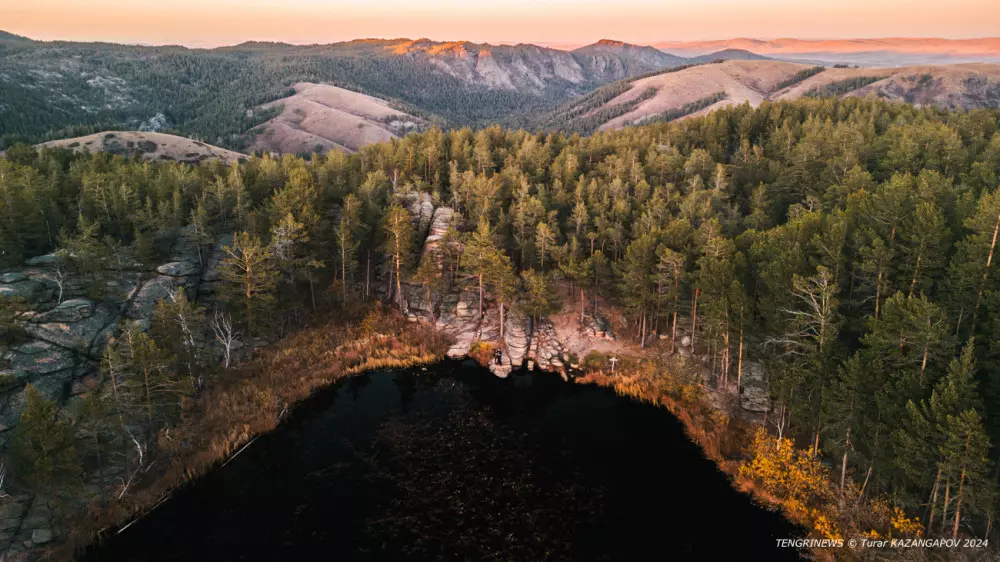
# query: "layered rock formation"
457,313
62,335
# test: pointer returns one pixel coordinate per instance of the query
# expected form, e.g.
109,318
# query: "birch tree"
225,335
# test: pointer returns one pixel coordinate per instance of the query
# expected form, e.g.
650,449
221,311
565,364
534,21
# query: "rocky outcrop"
754,396
421,207
547,350
457,313
460,319
441,220
599,327
57,349
80,325
19,285
517,338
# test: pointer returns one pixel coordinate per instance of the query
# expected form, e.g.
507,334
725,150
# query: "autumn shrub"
482,352
595,360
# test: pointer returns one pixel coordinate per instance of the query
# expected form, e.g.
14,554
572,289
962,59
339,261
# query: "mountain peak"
612,43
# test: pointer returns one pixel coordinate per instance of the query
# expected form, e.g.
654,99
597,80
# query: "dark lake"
453,463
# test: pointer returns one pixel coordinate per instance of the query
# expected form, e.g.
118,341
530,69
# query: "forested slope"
847,245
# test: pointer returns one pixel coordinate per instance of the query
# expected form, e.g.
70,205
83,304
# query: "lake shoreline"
539,448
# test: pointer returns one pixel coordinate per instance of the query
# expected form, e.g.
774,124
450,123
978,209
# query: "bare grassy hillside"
702,88
319,117
152,146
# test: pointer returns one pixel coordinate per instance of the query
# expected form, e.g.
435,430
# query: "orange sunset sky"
208,23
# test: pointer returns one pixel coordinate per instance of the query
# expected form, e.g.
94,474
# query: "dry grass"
742,81
328,117
253,399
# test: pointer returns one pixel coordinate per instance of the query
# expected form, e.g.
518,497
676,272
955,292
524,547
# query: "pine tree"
966,463
398,228
503,284
476,259
430,276
545,240
931,446
178,327
598,272
972,269
154,389
44,451
911,337
540,298
638,282
248,267
87,256
347,240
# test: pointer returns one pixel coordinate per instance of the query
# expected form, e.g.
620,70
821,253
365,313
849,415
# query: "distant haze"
560,23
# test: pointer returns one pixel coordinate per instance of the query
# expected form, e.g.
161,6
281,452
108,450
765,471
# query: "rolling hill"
727,54
961,86
318,117
152,147
701,88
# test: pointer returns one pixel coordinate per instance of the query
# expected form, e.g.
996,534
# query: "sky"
211,23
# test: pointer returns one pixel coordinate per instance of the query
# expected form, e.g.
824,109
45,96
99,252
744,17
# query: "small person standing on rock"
498,357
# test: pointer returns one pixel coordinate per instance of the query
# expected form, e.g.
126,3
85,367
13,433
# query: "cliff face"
61,336
522,342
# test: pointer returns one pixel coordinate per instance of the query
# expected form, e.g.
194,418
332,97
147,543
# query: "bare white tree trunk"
182,322
141,450
222,326
60,279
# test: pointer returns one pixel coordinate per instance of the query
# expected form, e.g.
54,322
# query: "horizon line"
555,45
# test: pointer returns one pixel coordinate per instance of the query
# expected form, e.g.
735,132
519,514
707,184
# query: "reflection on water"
455,464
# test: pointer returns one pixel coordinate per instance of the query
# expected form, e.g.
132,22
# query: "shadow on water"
455,464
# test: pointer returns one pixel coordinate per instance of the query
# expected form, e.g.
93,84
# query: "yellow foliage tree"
797,479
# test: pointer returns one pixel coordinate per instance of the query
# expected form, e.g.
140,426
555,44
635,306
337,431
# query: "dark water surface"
455,464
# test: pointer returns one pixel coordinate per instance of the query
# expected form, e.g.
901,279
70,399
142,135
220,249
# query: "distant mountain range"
58,89
866,52
230,96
